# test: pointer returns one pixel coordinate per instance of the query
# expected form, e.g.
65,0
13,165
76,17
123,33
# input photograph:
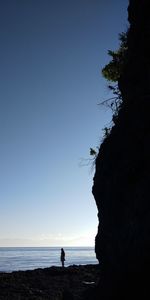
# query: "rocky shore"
54,283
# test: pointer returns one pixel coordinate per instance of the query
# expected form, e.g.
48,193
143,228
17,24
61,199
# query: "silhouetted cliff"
122,178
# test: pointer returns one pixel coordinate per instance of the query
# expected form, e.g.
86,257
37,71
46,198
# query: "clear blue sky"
51,56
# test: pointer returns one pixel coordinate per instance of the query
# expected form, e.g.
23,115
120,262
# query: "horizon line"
60,246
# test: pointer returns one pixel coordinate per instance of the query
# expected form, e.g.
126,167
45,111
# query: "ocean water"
29,258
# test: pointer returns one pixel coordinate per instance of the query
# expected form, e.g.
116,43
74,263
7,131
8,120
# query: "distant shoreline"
58,247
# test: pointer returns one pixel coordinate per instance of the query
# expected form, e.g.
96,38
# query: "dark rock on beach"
54,283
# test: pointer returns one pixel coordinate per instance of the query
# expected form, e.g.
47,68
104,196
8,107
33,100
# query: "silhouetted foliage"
93,152
114,68
112,72
90,161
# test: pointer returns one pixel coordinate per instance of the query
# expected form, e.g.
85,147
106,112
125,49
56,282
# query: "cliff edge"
122,177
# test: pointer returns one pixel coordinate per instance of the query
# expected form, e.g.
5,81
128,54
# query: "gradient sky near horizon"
51,56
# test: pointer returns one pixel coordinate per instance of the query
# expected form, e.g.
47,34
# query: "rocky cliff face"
122,179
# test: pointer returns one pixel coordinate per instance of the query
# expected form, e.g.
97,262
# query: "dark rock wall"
122,178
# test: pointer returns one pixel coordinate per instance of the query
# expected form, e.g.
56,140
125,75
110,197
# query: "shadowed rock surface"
54,283
122,178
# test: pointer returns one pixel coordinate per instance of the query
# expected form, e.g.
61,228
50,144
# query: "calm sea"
29,258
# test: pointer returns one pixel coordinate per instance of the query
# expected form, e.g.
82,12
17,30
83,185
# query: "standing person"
62,256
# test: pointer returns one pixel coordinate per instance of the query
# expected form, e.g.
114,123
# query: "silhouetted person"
62,256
